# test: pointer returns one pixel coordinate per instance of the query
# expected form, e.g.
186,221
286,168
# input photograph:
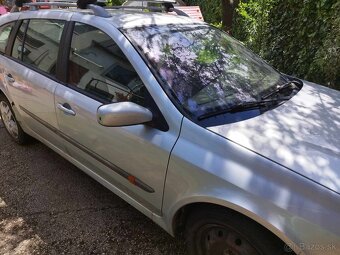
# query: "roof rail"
35,6
167,6
101,11
97,10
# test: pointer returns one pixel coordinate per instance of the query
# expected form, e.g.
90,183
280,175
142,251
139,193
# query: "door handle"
10,78
66,108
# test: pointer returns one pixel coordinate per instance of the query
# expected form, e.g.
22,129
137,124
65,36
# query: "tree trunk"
228,9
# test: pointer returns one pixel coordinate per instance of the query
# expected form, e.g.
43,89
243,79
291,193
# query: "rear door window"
19,40
5,31
37,43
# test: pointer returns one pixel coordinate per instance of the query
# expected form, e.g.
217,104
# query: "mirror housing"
122,114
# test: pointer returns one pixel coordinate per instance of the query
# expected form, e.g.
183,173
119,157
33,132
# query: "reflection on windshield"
203,67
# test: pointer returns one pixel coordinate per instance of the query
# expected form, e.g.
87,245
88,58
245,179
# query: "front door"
133,158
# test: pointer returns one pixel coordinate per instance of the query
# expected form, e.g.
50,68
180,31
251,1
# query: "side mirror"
122,114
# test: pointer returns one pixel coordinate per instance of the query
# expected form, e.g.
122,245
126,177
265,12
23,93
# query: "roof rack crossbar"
99,11
179,12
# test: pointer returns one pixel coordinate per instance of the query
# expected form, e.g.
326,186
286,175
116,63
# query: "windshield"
205,69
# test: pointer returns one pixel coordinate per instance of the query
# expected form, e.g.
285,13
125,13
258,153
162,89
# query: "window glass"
19,40
99,67
42,43
4,34
206,70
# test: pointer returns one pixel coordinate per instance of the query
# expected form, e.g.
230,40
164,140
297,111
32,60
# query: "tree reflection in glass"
203,67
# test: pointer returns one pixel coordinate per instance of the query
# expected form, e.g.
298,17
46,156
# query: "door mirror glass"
37,44
123,114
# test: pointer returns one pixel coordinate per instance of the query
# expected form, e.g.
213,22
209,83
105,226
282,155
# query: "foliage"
327,57
6,2
304,38
115,2
251,23
298,37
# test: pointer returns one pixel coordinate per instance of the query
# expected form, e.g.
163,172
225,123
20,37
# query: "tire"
10,122
217,231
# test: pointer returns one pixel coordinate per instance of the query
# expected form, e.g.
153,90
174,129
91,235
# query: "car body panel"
4,19
286,203
302,134
112,185
142,151
129,20
33,96
33,91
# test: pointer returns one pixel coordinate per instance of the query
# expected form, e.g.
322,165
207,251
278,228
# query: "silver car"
182,122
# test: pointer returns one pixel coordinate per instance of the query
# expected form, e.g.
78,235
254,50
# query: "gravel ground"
48,206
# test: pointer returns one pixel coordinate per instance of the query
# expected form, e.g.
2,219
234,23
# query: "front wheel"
216,231
10,122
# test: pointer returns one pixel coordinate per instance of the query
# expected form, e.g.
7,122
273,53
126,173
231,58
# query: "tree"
228,10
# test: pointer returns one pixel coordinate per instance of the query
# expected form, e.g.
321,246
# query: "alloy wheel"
9,120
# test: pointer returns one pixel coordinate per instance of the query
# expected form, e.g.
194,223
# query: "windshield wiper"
243,107
278,89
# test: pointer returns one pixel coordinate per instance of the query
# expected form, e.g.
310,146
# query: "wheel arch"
181,215
4,92
1,92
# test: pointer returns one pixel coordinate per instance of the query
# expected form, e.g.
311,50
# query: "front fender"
274,219
217,171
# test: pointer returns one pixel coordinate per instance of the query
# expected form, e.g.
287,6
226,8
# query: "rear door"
7,25
30,74
134,158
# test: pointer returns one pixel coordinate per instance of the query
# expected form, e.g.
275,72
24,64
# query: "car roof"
138,19
120,18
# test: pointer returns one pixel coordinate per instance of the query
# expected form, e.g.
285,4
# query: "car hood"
303,134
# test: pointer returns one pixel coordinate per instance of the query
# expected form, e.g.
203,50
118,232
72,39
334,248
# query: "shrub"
251,23
298,37
115,2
